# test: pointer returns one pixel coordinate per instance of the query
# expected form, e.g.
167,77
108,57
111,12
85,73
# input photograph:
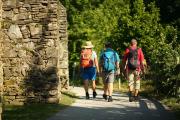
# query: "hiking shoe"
131,98
94,94
136,98
105,96
110,99
87,95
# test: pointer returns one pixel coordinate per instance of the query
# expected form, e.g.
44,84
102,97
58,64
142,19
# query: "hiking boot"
87,95
94,94
110,99
136,98
105,96
131,98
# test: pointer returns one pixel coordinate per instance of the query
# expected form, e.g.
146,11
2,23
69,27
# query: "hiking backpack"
86,58
108,61
133,59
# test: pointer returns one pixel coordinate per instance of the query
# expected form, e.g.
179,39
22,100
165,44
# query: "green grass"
173,104
37,111
148,91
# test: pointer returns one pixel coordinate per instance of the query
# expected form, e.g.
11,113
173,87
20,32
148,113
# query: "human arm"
124,60
141,59
100,63
96,62
117,64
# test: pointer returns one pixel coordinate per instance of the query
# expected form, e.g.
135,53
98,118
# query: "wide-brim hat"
88,44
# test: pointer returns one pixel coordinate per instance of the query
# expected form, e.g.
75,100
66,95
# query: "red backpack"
86,61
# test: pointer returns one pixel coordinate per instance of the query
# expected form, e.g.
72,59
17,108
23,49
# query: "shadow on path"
119,109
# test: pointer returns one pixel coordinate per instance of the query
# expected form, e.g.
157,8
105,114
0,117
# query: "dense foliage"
118,21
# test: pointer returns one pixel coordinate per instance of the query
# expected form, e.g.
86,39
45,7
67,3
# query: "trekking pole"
118,78
119,82
74,66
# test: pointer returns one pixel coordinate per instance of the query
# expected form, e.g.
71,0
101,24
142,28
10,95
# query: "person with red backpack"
133,62
89,66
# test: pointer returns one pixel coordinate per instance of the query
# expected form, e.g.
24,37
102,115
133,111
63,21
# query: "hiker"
109,65
89,66
133,65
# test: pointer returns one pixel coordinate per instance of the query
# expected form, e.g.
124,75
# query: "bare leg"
131,84
110,89
105,88
131,88
86,83
136,92
94,85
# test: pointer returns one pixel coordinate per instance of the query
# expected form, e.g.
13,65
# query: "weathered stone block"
7,14
21,53
14,32
16,102
9,82
35,29
10,3
22,10
9,97
7,72
53,92
52,100
51,62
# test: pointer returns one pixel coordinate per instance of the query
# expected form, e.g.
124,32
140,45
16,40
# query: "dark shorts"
88,73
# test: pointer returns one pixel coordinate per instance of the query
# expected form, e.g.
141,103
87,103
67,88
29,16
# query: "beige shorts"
134,79
108,77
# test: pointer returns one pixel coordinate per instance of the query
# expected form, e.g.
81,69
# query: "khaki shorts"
134,79
108,77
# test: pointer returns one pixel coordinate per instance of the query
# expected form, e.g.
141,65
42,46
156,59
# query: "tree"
159,42
118,21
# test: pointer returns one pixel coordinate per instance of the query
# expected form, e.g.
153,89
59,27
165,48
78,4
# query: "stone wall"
63,46
1,70
1,74
35,52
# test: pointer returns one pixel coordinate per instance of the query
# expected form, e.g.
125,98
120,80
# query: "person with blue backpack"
109,67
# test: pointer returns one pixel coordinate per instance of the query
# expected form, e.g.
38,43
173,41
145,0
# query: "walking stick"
74,72
119,82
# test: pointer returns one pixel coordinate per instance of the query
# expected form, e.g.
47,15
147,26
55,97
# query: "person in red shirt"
133,65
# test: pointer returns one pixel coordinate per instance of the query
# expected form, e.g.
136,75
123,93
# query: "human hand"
143,71
98,74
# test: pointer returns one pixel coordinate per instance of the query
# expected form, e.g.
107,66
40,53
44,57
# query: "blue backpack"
108,61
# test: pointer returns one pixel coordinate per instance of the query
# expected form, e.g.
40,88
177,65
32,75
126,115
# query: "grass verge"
37,111
149,91
174,105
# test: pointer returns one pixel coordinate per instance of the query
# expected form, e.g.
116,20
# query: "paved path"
119,109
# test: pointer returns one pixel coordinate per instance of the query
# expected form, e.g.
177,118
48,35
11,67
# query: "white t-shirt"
94,55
